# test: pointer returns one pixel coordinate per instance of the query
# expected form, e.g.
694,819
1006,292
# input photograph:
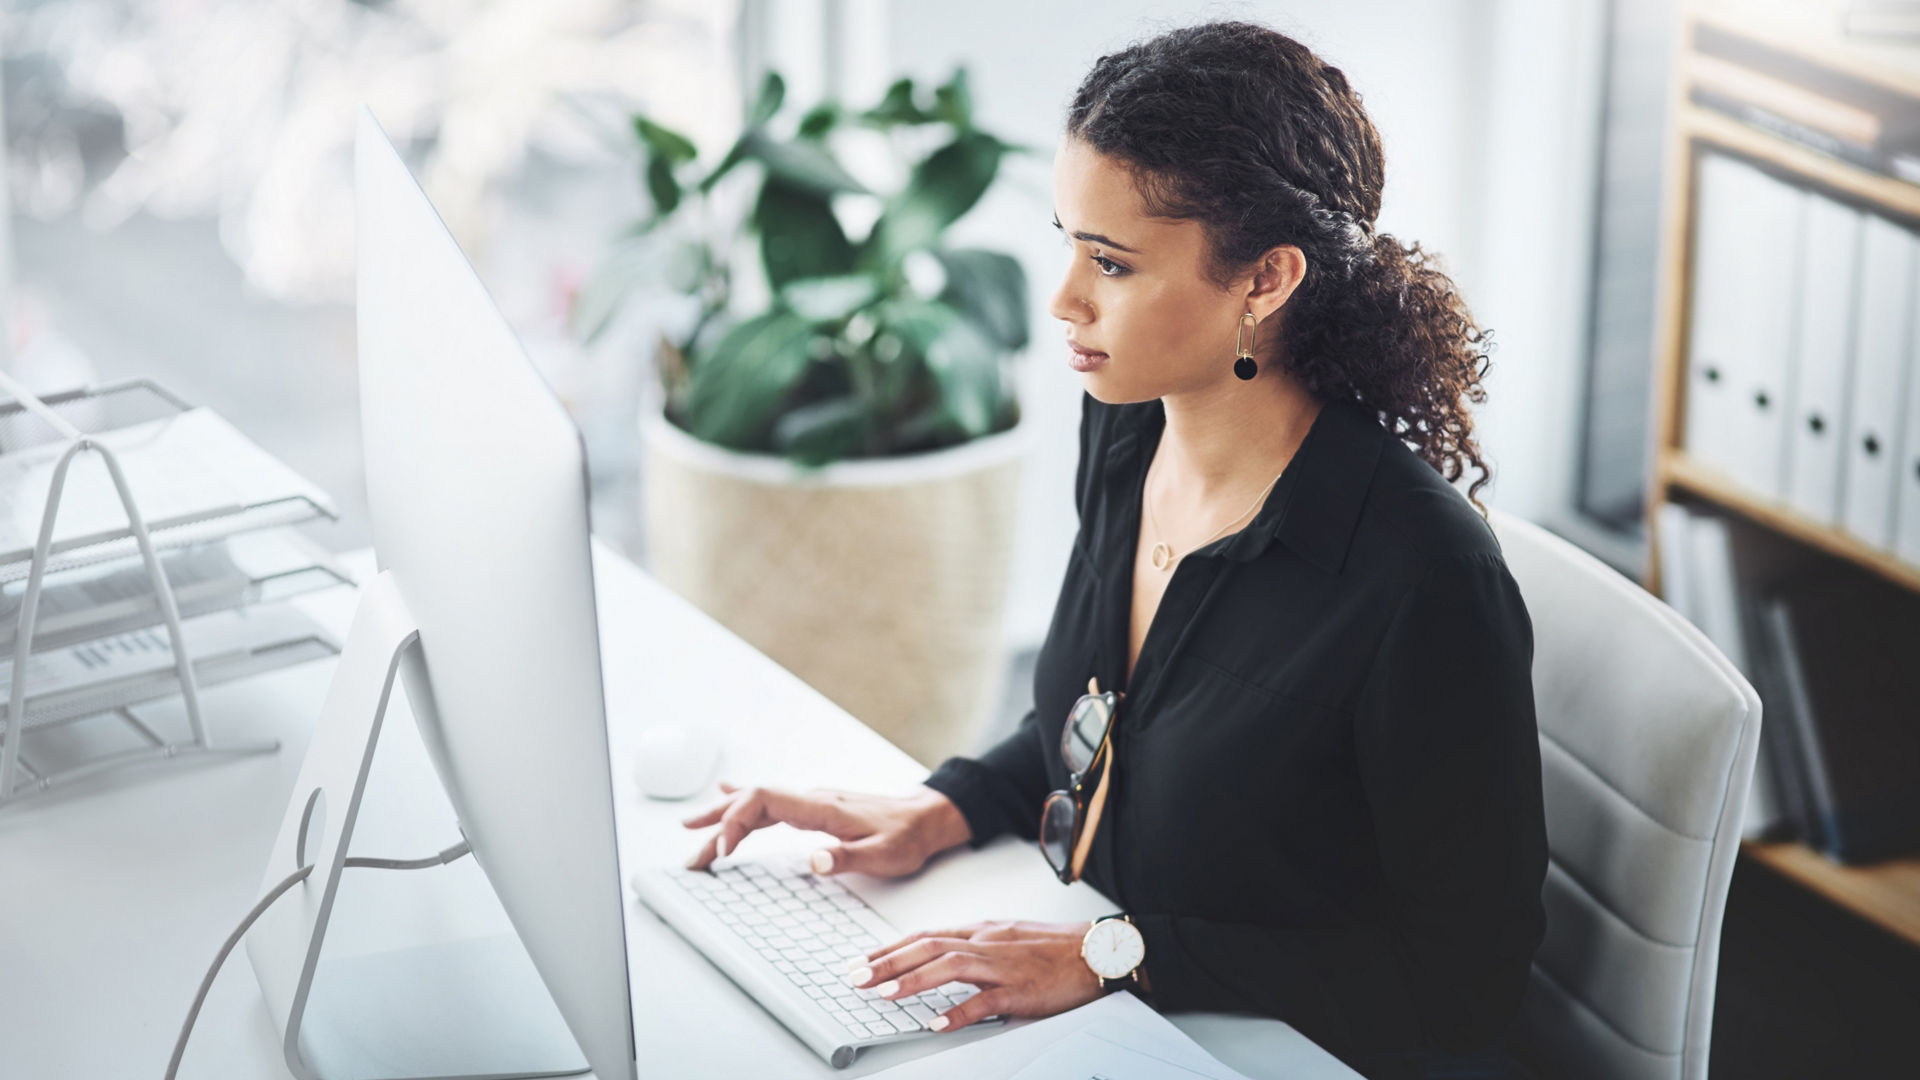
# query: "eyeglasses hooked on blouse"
1066,833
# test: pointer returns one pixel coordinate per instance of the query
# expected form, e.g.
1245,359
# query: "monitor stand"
460,1010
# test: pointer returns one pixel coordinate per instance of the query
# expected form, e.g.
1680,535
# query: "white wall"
1487,110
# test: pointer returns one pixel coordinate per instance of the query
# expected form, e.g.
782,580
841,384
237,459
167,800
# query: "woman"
1320,790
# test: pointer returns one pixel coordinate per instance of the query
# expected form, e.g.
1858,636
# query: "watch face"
1113,948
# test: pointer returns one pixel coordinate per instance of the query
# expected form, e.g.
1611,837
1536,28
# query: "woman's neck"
1229,440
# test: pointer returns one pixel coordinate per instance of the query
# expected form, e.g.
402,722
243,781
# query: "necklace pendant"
1162,557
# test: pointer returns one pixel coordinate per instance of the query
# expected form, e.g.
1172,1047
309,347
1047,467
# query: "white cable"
259,909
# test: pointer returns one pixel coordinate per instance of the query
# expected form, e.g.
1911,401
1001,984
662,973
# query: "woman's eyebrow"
1095,238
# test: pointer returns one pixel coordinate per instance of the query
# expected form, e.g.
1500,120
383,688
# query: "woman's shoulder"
1415,518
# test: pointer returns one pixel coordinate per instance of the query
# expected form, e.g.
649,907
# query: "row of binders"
1831,651
1802,382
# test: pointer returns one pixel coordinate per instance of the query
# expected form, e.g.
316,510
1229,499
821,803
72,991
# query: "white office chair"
1647,743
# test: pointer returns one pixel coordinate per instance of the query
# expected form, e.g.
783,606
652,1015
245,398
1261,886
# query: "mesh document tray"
102,614
195,477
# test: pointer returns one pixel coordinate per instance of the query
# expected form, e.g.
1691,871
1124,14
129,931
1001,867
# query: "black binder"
1847,648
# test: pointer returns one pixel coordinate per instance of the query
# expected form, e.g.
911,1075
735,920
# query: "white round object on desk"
675,762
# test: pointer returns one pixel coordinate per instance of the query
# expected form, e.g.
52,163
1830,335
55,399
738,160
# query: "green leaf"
735,154
991,289
801,163
897,107
662,186
773,91
663,142
954,101
819,120
943,187
799,236
963,361
929,426
830,299
823,431
742,380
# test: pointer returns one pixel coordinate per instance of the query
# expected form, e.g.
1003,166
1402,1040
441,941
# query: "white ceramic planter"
882,583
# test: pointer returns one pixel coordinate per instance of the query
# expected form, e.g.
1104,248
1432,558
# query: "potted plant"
831,470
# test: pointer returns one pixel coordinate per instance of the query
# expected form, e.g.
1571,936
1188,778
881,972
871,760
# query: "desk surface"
118,891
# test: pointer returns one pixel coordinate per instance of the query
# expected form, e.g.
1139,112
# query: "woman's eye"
1104,263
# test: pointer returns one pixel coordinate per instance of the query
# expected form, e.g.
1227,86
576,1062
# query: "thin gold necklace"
1163,556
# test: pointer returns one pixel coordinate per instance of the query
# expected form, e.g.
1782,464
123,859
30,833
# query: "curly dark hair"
1246,131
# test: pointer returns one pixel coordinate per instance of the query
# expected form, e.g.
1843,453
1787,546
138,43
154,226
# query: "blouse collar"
1316,504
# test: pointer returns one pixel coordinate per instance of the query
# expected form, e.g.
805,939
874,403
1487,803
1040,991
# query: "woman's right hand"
886,836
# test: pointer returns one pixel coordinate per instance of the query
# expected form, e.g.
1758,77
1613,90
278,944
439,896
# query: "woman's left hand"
1021,968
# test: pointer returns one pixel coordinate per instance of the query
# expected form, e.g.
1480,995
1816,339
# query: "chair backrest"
1647,743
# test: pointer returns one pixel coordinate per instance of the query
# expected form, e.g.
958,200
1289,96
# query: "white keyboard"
786,935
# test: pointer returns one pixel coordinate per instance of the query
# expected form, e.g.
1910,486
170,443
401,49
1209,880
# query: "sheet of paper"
1110,1050
1122,1035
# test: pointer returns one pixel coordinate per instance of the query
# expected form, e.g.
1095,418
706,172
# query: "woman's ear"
1278,274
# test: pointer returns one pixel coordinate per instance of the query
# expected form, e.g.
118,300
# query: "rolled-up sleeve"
1446,743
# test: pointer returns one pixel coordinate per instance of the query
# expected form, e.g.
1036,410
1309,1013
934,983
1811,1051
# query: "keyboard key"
918,1011
865,1014
879,1029
815,992
904,1024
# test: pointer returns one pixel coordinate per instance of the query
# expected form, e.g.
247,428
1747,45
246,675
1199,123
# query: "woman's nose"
1066,304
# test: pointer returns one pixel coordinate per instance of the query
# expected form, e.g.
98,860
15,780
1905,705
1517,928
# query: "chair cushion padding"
1647,742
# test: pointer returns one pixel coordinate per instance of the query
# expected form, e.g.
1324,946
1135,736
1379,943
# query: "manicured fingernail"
938,1023
857,963
694,863
822,861
720,852
888,989
859,976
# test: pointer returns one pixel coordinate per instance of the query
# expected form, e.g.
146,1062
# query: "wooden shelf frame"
1885,194
1797,27
1886,894
1682,470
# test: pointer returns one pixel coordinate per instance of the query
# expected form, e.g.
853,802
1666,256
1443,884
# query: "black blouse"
1325,804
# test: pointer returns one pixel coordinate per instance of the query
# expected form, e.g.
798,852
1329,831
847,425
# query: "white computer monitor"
484,604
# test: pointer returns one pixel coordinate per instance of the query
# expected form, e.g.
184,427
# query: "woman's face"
1136,289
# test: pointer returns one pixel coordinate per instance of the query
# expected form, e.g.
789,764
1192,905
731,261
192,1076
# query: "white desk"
114,895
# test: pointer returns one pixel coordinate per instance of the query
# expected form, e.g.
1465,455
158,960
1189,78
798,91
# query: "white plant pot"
882,583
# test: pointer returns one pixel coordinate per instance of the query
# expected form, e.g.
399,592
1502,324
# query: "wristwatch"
1114,949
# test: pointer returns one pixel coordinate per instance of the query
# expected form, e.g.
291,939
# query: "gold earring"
1243,346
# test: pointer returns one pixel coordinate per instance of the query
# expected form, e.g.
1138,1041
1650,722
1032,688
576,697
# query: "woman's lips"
1084,359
